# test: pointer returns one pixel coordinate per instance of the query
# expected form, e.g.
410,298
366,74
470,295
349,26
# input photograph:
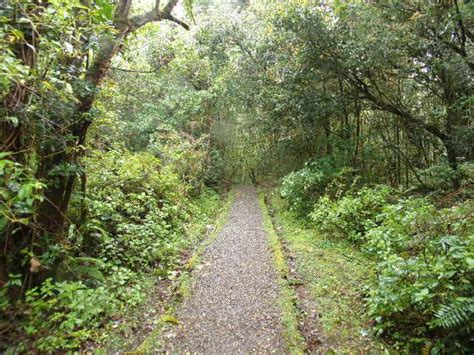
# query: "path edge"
186,279
287,297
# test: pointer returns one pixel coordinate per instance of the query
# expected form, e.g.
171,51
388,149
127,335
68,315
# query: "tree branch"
385,105
157,15
134,70
178,21
169,7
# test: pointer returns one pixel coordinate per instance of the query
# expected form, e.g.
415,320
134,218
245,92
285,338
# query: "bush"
303,188
188,157
215,168
424,289
424,256
63,315
439,177
136,210
138,219
350,216
19,192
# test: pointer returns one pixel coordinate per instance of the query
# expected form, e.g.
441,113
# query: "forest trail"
233,303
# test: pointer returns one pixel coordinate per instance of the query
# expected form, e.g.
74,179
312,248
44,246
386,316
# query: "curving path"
233,303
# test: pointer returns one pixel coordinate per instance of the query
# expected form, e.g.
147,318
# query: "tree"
51,88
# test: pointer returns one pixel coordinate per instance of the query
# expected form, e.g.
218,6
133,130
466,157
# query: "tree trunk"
52,211
453,162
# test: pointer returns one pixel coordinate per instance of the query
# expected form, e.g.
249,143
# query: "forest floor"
233,302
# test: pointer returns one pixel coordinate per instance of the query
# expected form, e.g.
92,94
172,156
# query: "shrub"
303,188
439,177
140,208
63,315
424,256
188,157
350,216
138,219
19,192
215,168
424,289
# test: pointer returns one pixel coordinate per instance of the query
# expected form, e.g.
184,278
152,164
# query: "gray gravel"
233,303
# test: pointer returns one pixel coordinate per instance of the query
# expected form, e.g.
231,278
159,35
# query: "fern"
454,314
426,349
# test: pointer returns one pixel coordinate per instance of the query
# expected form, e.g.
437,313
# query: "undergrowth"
420,255
136,220
153,342
334,273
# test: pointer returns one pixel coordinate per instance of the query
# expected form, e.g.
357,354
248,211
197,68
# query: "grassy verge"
334,274
182,286
294,340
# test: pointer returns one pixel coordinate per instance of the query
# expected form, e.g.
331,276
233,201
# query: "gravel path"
233,303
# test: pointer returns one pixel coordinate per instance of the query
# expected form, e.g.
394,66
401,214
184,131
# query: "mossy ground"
335,274
287,297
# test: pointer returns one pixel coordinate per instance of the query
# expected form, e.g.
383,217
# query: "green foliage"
424,288
424,263
437,177
20,191
303,188
191,159
334,274
138,221
455,314
141,207
216,166
379,89
350,216
63,315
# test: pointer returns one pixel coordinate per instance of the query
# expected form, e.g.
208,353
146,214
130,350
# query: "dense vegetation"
116,121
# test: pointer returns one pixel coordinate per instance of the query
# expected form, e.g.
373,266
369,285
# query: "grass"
294,339
334,273
184,283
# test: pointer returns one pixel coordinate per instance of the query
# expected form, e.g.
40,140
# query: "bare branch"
178,21
157,15
169,7
134,71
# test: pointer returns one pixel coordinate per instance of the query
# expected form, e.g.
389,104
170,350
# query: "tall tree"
51,86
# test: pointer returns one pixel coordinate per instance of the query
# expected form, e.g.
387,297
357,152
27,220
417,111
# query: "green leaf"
169,319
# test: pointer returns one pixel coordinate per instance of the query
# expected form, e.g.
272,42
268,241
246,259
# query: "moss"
286,300
335,273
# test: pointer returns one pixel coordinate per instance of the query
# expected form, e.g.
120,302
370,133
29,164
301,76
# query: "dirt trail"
233,303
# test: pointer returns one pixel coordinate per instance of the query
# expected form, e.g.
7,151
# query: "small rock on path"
233,303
